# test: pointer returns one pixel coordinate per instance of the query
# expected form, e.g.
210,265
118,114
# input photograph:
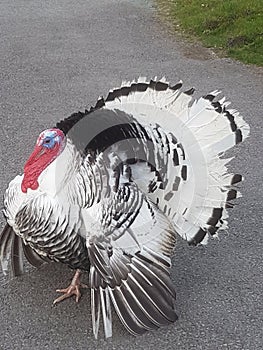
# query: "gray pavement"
57,57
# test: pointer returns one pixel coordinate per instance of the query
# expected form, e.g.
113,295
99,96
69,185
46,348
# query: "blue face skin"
50,139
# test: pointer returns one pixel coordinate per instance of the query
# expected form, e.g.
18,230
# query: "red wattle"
23,187
40,158
29,183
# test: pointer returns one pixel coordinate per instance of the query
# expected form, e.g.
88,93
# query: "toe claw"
62,297
60,290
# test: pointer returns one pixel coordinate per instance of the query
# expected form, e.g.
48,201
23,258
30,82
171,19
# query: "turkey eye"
47,141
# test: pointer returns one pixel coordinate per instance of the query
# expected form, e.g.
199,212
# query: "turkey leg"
72,289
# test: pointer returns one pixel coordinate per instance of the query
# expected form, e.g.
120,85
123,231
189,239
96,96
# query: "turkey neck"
73,179
58,176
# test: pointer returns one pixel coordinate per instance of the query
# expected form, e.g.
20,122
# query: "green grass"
233,26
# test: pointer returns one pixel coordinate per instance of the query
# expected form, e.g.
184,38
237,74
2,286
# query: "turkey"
107,191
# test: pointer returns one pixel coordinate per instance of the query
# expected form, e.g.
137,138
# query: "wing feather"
6,242
139,289
17,266
12,251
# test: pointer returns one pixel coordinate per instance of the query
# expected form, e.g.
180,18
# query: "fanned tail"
188,178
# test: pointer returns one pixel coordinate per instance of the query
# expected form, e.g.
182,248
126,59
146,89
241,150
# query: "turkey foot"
73,289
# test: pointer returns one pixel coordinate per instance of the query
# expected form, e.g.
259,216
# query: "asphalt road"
57,57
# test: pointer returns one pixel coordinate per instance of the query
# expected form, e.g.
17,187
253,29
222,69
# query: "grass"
234,27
